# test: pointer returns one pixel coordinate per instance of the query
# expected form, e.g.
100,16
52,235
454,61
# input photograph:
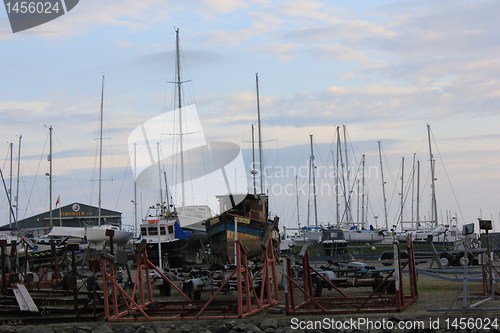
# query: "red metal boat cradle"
140,305
342,303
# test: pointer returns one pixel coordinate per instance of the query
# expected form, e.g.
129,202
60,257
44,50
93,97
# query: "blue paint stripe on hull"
241,229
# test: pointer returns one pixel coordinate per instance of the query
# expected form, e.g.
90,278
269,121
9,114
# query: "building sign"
78,213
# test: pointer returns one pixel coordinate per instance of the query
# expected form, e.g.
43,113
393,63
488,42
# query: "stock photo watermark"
282,179
25,15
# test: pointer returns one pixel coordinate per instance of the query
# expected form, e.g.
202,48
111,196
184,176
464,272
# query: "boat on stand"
176,234
165,240
243,217
248,221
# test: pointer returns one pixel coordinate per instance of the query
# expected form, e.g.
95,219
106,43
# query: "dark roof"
75,213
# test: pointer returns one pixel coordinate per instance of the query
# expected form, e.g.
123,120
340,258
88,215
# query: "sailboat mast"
100,155
262,189
136,233
9,193
413,190
179,96
50,176
298,214
159,175
337,183
383,186
18,177
348,199
357,201
339,153
402,191
309,196
363,193
433,178
167,199
314,182
253,159
418,192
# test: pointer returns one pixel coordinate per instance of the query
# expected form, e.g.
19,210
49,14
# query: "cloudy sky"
383,69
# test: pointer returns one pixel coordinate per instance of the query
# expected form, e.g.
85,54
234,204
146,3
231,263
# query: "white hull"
438,234
362,236
98,234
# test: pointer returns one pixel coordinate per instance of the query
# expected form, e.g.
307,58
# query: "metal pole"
298,215
50,178
363,216
262,189
433,178
348,199
100,154
136,233
159,176
383,187
465,298
9,194
314,182
490,266
253,160
402,191
179,96
18,176
418,192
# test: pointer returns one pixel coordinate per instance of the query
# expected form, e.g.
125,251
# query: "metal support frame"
140,303
486,276
342,303
37,292
12,274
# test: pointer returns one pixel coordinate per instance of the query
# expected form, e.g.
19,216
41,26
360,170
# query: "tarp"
75,232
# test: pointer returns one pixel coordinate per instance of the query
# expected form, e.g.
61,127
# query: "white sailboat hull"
363,236
98,234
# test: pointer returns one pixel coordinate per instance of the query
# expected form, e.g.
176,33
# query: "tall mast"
418,192
100,154
179,96
11,211
314,182
433,178
402,191
339,154
357,201
309,195
383,186
159,175
262,189
363,192
298,215
9,193
348,199
253,172
413,190
337,185
167,207
17,181
50,176
135,191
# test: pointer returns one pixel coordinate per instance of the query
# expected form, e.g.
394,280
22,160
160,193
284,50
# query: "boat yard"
293,184
114,286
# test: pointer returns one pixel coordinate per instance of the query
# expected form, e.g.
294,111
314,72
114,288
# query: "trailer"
353,274
202,279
